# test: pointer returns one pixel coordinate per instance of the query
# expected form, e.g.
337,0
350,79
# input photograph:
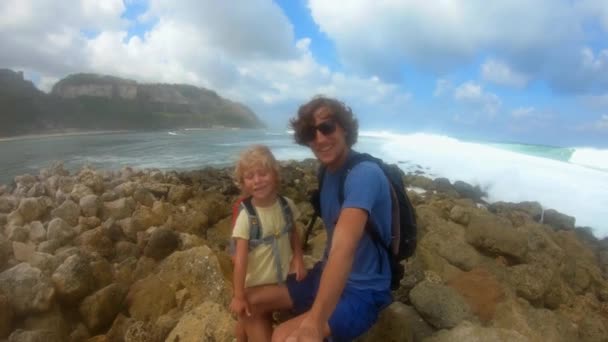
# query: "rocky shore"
140,256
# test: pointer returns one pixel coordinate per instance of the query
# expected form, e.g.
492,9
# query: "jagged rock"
90,205
102,272
441,306
162,242
495,236
79,191
95,240
23,252
26,180
144,197
20,335
481,290
558,220
127,189
199,271
37,233
139,303
144,218
45,262
530,281
50,246
448,241
118,209
74,279
92,180
52,320
124,250
8,204
109,196
157,189
179,194
80,333
32,208
18,233
28,289
68,211
37,190
60,230
6,316
468,191
392,326
99,309
207,322
6,251
140,331
89,222
191,221
467,331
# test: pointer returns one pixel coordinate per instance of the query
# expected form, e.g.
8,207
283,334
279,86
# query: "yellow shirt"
261,267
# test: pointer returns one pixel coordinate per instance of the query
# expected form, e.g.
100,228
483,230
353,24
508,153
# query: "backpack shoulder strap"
254,222
287,215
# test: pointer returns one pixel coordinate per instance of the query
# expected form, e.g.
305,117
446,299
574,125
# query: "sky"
503,70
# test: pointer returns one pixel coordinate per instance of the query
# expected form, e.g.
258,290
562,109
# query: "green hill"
97,102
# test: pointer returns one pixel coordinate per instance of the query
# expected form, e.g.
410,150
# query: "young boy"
276,250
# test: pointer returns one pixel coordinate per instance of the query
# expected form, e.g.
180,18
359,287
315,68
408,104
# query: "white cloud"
500,73
601,125
442,86
473,94
538,39
523,112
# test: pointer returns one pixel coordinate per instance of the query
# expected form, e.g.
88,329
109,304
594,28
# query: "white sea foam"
590,157
507,176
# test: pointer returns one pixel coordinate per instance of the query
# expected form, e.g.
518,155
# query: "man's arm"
347,233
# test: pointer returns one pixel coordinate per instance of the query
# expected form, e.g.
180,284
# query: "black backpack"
403,235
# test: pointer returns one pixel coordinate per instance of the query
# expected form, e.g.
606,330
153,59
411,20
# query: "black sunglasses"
326,128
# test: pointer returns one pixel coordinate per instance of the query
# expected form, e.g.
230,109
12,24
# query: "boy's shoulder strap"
254,221
287,214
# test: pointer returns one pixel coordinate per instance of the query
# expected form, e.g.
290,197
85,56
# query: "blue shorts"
356,312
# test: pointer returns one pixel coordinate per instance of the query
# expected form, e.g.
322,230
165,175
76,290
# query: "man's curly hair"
340,112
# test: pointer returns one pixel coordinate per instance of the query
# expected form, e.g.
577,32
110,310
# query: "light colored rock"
52,320
496,236
28,289
23,252
179,194
68,211
392,326
144,197
89,222
467,331
207,322
440,305
118,209
32,208
99,309
60,230
6,316
20,335
8,204
95,240
74,279
79,191
89,205
139,303
37,233
18,233
91,179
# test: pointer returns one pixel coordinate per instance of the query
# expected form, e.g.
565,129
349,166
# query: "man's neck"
340,162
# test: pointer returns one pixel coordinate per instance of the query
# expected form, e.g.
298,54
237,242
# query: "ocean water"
572,180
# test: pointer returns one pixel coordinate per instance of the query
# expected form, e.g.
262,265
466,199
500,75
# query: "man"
343,294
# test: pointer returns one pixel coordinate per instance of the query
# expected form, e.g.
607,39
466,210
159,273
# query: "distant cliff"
97,102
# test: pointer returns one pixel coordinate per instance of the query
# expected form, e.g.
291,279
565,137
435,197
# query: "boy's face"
261,183
329,147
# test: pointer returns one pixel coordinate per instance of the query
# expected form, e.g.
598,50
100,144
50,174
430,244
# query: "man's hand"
239,306
308,331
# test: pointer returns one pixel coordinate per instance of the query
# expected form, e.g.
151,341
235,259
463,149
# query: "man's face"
328,140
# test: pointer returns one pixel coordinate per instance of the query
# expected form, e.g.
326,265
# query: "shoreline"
59,134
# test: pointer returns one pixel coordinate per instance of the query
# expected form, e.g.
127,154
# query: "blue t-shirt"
367,188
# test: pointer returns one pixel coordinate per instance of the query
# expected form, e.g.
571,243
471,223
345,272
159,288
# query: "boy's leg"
239,331
258,327
268,298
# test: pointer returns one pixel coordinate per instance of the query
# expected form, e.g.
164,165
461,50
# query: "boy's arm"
347,233
240,267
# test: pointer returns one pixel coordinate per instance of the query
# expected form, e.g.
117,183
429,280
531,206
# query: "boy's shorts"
355,313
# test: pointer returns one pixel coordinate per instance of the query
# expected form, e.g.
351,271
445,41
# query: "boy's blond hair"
255,155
